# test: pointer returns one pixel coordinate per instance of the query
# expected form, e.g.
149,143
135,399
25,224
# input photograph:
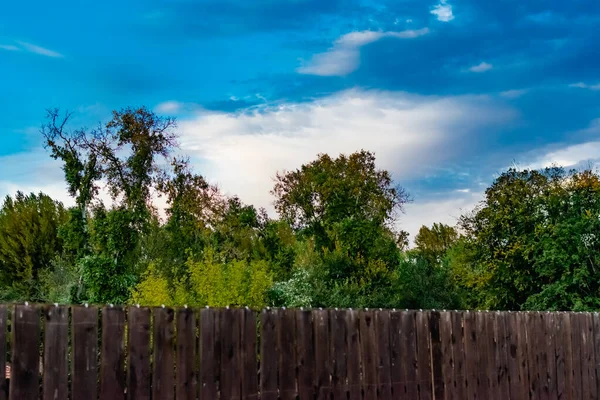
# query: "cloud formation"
410,135
344,57
482,67
583,85
31,48
443,11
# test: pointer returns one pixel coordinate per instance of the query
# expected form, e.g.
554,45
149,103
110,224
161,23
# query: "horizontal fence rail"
62,352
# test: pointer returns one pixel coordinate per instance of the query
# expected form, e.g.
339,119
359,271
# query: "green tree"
533,241
345,202
29,241
433,243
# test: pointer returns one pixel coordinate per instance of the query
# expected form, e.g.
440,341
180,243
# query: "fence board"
287,355
322,356
338,353
408,351
353,355
532,356
448,360
112,366
24,381
84,374
596,323
483,355
305,355
522,355
229,383
55,384
424,372
543,352
458,355
249,363
437,357
490,347
382,320
588,357
162,356
512,332
186,354
471,367
269,359
576,389
138,365
3,325
502,343
550,327
396,359
368,336
560,351
208,383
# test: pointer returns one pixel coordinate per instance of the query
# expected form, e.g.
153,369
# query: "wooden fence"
140,353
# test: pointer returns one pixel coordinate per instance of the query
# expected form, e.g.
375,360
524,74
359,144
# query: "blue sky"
448,93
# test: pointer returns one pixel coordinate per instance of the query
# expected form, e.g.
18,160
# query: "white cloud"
344,57
32,48
9,47
409,135
168,107
446,210
514,93
583,85
481,67
443,11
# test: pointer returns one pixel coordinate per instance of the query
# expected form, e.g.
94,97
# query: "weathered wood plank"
287,355
338,353
490,347
138,366
84,374
163,381
3,337
483,384
577,392
512,347
596,324
305,354
353,355
550,330
396,358
322,354
368,355
384,383
522,355
532,356
588,357
408,351
502,345
560,355
249,359
470,342
458,355
56,339
268,353
437,356
424,369
229,383
186,354
24,382
208,383
112,366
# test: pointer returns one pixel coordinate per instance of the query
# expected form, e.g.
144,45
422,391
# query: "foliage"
29,240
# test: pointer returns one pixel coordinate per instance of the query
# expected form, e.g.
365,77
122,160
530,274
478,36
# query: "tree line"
532,243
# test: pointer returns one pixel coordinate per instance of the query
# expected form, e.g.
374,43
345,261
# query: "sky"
447,93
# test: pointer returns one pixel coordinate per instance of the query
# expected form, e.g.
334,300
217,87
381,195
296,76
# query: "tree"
29,240
433,243
344,202
533,241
